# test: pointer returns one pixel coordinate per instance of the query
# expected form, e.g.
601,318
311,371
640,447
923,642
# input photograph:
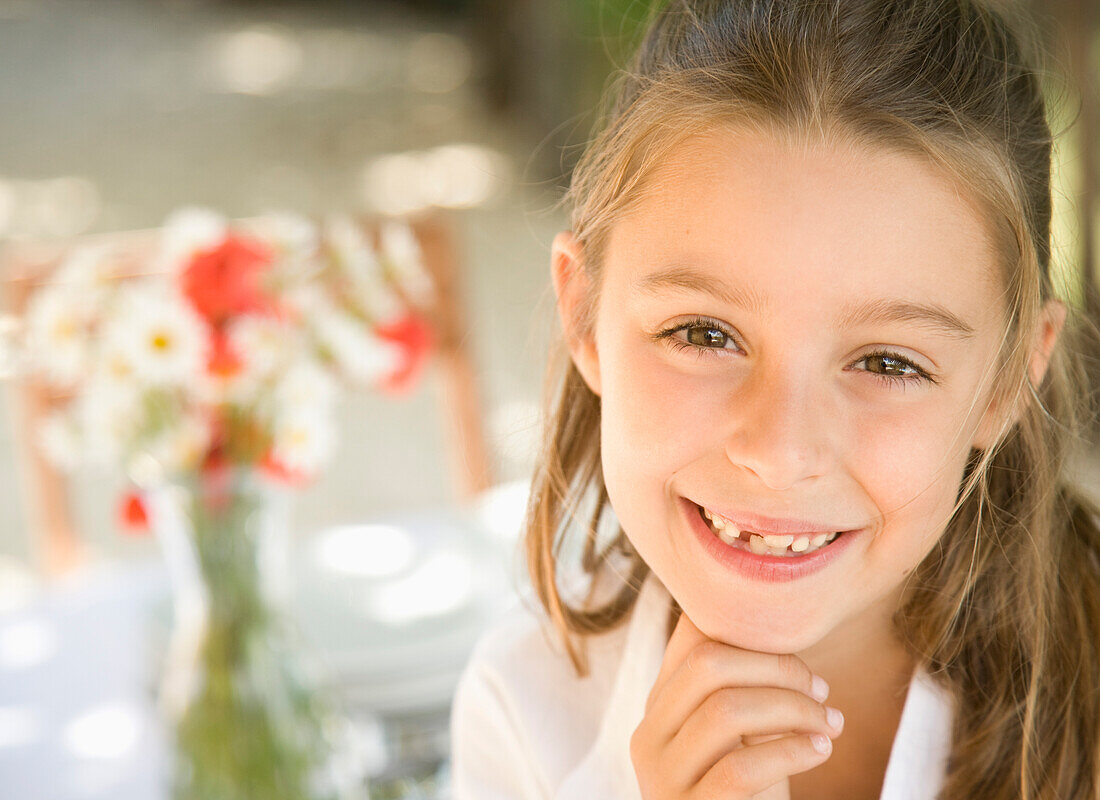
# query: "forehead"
813,216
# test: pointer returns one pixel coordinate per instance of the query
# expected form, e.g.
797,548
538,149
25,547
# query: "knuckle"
798,704
731,771
731,702
710,712
799,750
703,660
721,707
801,707
794,670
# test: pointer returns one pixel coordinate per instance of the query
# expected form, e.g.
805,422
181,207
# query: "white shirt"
525,727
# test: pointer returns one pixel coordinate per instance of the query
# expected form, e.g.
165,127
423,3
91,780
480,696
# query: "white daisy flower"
357,259
361,356
306,300
264,347
109,415
304,389
91,269
402,253
303,441
58,321
263,343
293,236
115,359
158,334
346,237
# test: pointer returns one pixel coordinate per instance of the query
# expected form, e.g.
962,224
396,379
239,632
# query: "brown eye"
702,336
891,367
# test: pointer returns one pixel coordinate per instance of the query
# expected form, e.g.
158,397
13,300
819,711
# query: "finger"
732,717
750,770
777,791
711,666
685,637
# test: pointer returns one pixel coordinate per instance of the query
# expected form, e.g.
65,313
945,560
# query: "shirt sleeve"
490,756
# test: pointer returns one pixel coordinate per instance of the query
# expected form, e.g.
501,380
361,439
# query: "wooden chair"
56,544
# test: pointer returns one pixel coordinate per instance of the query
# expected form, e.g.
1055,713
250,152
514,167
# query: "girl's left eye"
893,369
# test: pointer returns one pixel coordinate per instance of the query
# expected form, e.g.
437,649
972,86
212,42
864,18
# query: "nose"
778,430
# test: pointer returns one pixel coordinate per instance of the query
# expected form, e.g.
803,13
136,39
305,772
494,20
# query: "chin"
761,631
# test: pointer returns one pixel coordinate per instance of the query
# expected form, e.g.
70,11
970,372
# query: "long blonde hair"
1005,612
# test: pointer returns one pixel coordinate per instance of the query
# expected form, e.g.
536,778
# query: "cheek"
910,465
654,418
653,425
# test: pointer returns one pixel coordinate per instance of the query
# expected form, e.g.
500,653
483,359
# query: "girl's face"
801,340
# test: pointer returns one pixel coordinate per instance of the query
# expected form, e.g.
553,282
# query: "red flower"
222,359
133,517
280,473
413,337
226,280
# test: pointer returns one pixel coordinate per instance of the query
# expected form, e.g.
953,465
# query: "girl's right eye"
698,335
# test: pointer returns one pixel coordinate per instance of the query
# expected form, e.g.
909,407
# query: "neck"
862,654
868,670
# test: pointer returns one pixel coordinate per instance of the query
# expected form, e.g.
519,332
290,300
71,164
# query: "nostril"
781,450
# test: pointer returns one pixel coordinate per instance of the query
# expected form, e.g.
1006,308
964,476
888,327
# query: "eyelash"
918,375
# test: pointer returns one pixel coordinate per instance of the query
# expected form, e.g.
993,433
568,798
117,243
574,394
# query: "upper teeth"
769,543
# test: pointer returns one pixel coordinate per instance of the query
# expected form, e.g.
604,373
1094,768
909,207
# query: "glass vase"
246,724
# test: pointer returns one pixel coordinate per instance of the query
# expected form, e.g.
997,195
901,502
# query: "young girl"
818,396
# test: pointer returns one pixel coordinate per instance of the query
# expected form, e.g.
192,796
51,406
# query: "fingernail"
819,689
834,718
822,744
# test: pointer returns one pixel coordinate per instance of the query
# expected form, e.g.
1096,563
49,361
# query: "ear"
573,287
1051,321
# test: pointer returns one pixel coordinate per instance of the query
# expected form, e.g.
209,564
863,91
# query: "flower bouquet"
207,370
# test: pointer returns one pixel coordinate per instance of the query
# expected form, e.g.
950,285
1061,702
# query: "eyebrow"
878,311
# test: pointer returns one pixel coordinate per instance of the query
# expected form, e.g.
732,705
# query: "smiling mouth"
784,545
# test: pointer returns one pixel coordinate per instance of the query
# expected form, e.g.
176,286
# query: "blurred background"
118,112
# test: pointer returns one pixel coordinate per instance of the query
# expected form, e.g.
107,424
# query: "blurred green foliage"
619,24
255,729
616,28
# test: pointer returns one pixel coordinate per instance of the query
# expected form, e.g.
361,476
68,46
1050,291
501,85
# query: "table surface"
78,716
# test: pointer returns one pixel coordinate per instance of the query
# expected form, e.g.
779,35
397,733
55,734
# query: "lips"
770,536
786,565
